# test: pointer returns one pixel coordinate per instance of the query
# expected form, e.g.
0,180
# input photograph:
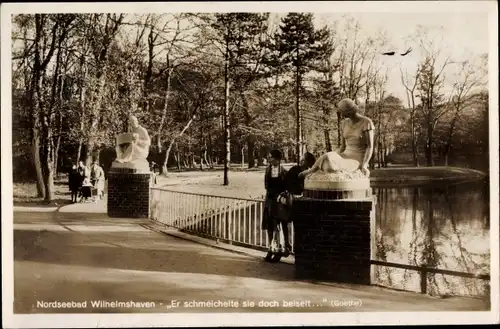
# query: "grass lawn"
25,193
250,184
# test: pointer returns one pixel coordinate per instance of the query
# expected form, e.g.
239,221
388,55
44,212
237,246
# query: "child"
86,190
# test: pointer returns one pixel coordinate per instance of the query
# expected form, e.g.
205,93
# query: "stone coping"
367,199
128,171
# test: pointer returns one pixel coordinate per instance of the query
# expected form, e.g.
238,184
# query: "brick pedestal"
332,237
128,193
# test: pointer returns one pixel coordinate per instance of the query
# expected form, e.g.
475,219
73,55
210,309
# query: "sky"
464,36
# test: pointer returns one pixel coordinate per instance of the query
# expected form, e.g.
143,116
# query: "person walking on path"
274,182
97,179
74,183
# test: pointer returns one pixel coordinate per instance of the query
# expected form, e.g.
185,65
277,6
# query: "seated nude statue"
138,149
357,144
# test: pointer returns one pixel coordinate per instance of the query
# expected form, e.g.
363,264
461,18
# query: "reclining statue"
357,145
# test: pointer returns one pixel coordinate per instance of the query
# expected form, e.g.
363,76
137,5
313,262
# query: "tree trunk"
260,159
242,157
286,154
48,165
428,146
227,140
205,157
251,152
328,143
167,154
165,105
202,144
59,124
299,146
39,67
36,131
414,145
178,161
339,133
449,139
158,143
83,115
384,152
35,151
210,150
91,143
48,122
79,150
56,153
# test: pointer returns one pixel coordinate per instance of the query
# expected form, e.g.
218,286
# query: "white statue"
132,148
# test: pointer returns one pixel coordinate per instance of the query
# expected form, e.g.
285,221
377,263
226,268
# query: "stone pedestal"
332,235
128,193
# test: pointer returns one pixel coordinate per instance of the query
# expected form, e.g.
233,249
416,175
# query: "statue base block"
332,238
138,166
128,193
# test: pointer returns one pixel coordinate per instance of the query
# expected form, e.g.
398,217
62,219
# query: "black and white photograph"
249,163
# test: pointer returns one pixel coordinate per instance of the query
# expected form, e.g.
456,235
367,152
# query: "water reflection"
443,226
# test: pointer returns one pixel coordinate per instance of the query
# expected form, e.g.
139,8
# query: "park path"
76,253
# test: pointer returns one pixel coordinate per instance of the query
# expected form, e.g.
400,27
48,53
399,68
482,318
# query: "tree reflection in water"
444,226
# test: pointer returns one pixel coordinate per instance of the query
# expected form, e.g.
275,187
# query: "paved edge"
160,228
176,233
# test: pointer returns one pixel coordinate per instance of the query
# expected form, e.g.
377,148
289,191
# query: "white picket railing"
231,220
238,221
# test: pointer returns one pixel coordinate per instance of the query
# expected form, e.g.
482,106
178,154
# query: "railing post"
229,224
373,238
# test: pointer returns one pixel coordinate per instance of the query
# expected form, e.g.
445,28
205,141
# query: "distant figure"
83,170
357,144
97,179
274,182
392,53
83,173
74,182
155,168
407,52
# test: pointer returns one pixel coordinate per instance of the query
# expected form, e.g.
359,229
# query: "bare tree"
411,89
430,84
468,78
107,28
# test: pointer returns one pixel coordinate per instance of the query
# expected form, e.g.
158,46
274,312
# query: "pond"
442,226
438,225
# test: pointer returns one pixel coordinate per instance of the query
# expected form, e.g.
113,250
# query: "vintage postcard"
249,163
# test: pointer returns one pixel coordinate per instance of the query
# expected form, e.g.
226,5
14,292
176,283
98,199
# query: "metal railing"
238,221
425,271
230,220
